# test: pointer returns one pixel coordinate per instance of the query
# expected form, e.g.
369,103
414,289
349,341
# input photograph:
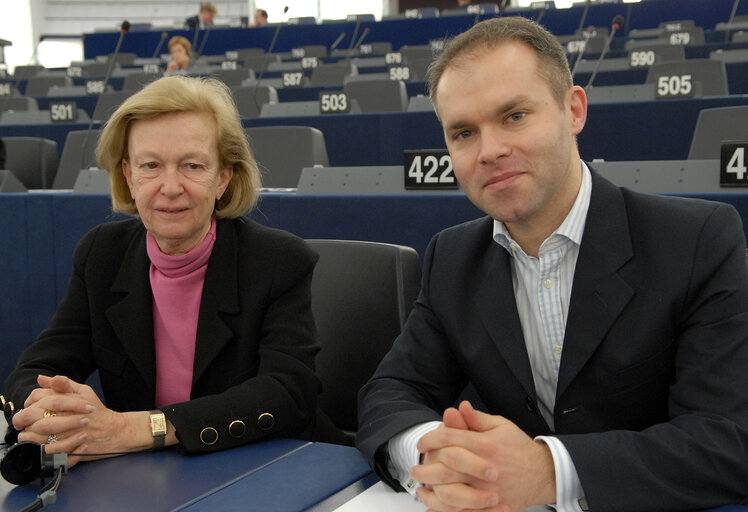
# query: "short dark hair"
486,35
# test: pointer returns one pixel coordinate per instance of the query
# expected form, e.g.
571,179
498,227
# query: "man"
261,18
606,331
208,12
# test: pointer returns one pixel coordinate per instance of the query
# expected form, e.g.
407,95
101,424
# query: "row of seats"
252,99
375,93
34,160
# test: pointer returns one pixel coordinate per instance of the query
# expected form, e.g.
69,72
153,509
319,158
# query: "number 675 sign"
429,169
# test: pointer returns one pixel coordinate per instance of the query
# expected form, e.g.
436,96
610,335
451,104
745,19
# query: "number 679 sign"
428,169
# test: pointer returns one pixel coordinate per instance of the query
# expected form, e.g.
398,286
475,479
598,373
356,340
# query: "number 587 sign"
429,169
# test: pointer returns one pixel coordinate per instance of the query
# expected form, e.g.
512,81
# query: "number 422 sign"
428,169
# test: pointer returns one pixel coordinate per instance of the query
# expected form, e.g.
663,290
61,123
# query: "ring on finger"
49,413
52,439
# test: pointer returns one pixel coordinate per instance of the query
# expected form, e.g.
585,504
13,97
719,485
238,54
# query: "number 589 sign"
429,169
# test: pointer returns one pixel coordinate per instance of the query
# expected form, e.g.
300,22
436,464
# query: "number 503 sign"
429,169
732,165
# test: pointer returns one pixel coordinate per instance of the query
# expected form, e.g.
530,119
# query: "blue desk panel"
151,481
296,482
39,231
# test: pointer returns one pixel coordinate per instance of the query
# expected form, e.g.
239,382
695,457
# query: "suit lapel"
598,293
497,307
132,317
220,295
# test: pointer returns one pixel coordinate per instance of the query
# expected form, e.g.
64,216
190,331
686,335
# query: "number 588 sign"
429,169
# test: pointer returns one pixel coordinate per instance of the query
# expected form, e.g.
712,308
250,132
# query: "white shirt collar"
571,228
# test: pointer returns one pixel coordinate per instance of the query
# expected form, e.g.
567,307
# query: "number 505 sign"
429,169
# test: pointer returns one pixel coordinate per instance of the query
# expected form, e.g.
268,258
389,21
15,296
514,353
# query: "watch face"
158,424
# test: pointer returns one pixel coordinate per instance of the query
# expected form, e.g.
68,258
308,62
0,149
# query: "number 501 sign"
429,169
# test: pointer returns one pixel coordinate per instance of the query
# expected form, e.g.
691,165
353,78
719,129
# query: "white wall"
15,26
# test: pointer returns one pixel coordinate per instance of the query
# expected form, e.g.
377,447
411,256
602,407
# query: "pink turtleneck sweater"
177,285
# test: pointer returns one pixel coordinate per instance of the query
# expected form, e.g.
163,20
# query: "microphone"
355,31
584,15
361,39
540,16
267,57
615,26
205,39
24,462
353,48
112,59
194,37
337,41
164,35
35,54
578,59
730,20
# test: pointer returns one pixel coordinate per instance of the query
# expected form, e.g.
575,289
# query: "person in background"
605,331
197,319
205,18
181,54
261,18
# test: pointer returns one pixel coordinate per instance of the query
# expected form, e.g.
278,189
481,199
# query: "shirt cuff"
569,493
403,452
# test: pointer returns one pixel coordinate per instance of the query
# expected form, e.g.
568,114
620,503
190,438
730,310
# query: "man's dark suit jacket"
255,344
652,399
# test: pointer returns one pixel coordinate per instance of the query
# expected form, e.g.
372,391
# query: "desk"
278,475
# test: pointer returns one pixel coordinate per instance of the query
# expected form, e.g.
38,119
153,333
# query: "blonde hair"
181,40
207,6
183,94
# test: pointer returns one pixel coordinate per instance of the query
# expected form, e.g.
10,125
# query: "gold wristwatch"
158,429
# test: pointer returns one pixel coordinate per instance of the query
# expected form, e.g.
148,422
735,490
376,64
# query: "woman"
181,54
196,318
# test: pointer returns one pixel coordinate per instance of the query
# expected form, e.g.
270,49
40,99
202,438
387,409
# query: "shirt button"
557,349
514,246
547,283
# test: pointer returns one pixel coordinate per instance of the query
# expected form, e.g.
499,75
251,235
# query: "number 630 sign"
428,169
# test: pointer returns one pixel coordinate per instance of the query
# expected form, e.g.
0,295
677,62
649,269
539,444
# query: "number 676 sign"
428,169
